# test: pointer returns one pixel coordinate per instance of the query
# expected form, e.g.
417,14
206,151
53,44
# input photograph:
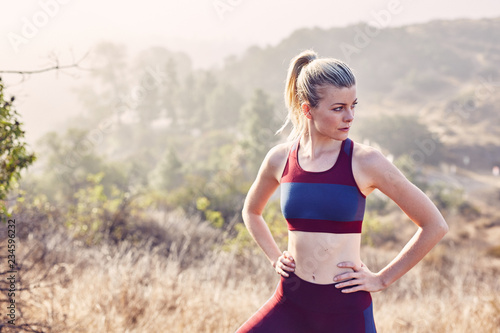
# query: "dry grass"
188,284
452,290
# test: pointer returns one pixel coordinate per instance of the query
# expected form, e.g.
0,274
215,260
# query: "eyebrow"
355,101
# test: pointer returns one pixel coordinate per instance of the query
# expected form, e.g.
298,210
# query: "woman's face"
334,114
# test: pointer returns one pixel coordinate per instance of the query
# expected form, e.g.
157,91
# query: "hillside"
130,220
444,72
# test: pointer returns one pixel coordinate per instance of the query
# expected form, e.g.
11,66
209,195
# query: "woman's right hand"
284,264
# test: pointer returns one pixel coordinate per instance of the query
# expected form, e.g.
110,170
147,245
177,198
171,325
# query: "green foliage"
195,139
212,216
168,174
258,125
277,223
375,232
243,241
202,203
412,171
14,155
377,202
446,196
96,216
70,157
215,218
211,169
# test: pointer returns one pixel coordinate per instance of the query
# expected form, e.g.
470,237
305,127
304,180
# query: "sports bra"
327,201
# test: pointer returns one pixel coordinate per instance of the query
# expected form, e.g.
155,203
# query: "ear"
306,110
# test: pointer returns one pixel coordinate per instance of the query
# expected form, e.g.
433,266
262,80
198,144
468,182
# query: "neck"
314,145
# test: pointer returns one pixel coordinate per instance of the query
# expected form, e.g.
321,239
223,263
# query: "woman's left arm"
381,174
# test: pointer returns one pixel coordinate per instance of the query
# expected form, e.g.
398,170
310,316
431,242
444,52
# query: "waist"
317,254
320,298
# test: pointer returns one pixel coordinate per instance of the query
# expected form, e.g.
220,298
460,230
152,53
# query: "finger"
353,289
345,276
348,283
288,262
287,255
282,272
348,264
285,267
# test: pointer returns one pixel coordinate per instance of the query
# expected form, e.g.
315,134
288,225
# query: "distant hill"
444,72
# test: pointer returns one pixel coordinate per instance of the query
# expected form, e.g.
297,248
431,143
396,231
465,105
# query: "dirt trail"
482,190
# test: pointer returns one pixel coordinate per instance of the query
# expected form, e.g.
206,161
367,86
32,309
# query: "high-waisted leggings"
299,306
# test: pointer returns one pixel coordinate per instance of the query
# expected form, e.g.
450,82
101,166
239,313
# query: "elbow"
443,228
245,214
437,229
250,216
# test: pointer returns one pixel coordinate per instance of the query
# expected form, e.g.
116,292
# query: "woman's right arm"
264,186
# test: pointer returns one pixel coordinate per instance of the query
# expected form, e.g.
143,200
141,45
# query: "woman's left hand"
360,279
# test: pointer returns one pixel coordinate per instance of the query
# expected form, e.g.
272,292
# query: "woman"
325,178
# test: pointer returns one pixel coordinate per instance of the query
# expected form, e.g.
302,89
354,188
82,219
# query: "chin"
341,136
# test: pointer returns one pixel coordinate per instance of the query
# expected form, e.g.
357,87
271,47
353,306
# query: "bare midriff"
317,254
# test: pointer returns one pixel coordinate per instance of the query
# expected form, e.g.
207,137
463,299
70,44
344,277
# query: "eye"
354,105
338,109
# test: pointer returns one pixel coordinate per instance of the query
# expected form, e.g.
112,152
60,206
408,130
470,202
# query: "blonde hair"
306,74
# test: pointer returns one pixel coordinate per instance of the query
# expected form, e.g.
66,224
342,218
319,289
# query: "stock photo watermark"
12,271
380,19
456,114
222,7
31,25
461,111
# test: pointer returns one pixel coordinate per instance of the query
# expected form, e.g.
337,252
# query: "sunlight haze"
208,31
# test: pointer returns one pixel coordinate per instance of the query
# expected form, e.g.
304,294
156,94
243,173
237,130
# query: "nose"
349,116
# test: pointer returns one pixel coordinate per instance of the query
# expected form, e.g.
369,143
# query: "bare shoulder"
370,167
275,160
278,154
368,156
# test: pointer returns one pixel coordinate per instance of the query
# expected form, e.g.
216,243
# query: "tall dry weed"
185,282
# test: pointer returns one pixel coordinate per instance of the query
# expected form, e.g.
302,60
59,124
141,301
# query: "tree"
168,174
223,106
110,92
170,92
193,99
258,124
14,155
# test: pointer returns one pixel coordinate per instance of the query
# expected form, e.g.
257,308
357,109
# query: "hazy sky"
208,30
225,26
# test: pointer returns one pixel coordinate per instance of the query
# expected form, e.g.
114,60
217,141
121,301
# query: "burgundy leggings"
299,306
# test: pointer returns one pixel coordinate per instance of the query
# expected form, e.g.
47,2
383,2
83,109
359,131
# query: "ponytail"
292,100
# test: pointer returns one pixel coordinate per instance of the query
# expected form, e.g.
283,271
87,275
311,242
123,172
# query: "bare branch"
56,67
